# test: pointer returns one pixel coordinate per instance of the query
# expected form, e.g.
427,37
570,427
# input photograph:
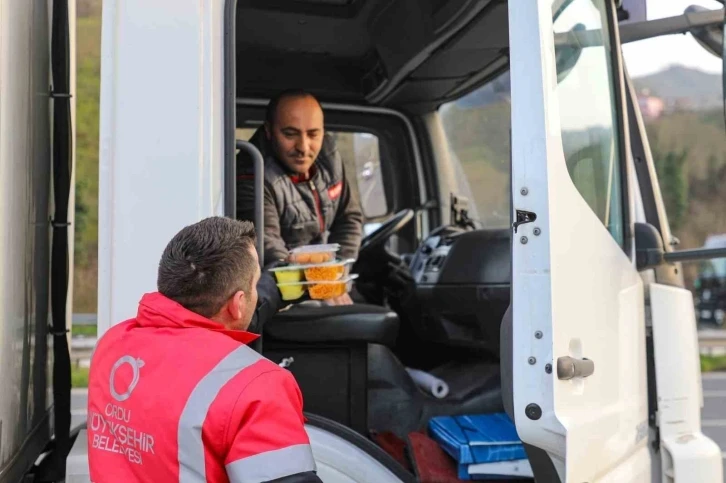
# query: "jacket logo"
135,364
335,191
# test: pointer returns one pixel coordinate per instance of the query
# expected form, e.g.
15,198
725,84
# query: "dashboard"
462,286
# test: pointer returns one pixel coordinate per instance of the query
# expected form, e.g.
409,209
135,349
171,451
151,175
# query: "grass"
84,330
713,363
79,376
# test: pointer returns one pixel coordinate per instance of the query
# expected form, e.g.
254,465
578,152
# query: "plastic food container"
289,274
316,290
291,291
330,290
314,254
317,272
327,272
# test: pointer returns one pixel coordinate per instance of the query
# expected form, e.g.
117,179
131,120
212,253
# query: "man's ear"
236,305
268,130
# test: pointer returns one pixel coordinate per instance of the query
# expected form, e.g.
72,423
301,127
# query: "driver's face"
297,133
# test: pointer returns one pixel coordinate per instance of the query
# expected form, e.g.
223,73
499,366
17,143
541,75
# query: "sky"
653,55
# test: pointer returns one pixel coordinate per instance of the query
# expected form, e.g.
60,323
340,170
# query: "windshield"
477,131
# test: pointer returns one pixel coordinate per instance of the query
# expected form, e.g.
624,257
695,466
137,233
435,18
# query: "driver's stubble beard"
283,156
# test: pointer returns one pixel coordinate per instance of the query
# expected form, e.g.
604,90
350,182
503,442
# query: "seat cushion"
345,323
397,405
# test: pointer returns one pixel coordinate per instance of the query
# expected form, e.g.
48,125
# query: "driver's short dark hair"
207,262
287,93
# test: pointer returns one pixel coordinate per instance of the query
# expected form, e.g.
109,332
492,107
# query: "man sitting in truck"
307,196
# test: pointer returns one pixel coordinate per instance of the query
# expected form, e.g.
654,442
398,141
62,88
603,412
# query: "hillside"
702,89
676,85
88,47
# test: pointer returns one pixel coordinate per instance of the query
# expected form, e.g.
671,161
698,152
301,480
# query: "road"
713,417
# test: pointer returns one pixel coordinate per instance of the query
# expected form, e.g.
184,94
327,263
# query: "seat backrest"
329,348
358,323
245,163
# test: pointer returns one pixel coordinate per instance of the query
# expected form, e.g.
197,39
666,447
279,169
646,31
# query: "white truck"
571,316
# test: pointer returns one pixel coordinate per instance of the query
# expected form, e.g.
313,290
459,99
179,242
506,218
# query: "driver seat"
343,363
329,348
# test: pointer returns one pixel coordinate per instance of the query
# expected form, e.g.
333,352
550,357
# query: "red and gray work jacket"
173,396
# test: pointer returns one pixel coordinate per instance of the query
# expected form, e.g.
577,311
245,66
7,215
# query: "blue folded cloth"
475,439
501,470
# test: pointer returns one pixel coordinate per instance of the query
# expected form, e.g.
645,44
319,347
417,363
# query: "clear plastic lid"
333,247
314,254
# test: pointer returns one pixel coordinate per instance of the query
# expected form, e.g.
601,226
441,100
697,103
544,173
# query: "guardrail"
84,319
82,345
710,341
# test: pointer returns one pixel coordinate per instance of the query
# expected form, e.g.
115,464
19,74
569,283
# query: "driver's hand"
342,300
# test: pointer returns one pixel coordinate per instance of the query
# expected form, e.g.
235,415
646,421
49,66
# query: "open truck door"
579,351
578,345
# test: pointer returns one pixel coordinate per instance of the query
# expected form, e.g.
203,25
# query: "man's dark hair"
207,262
287,93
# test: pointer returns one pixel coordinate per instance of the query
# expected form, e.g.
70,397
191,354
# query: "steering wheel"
378,238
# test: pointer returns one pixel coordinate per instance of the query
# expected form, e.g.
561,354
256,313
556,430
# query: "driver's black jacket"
319,209
269,302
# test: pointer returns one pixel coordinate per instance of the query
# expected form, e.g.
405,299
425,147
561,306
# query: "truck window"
361,157
588,116
477,132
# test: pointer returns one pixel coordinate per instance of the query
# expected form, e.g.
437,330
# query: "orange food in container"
316,290
327,272
330,290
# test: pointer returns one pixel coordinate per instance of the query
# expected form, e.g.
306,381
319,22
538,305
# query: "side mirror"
710,37
569,45
567,54
649,251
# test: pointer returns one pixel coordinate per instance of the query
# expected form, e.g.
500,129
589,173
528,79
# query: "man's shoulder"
329,158
116,331
263,382
274,173
330,151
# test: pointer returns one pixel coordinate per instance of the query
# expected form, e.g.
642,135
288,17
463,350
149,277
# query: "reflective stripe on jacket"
173,396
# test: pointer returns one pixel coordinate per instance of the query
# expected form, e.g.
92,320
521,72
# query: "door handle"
569,368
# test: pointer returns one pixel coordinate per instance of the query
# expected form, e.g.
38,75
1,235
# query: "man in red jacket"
175,394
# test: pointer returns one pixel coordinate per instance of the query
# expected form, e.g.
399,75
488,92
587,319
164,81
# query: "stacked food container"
315,270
